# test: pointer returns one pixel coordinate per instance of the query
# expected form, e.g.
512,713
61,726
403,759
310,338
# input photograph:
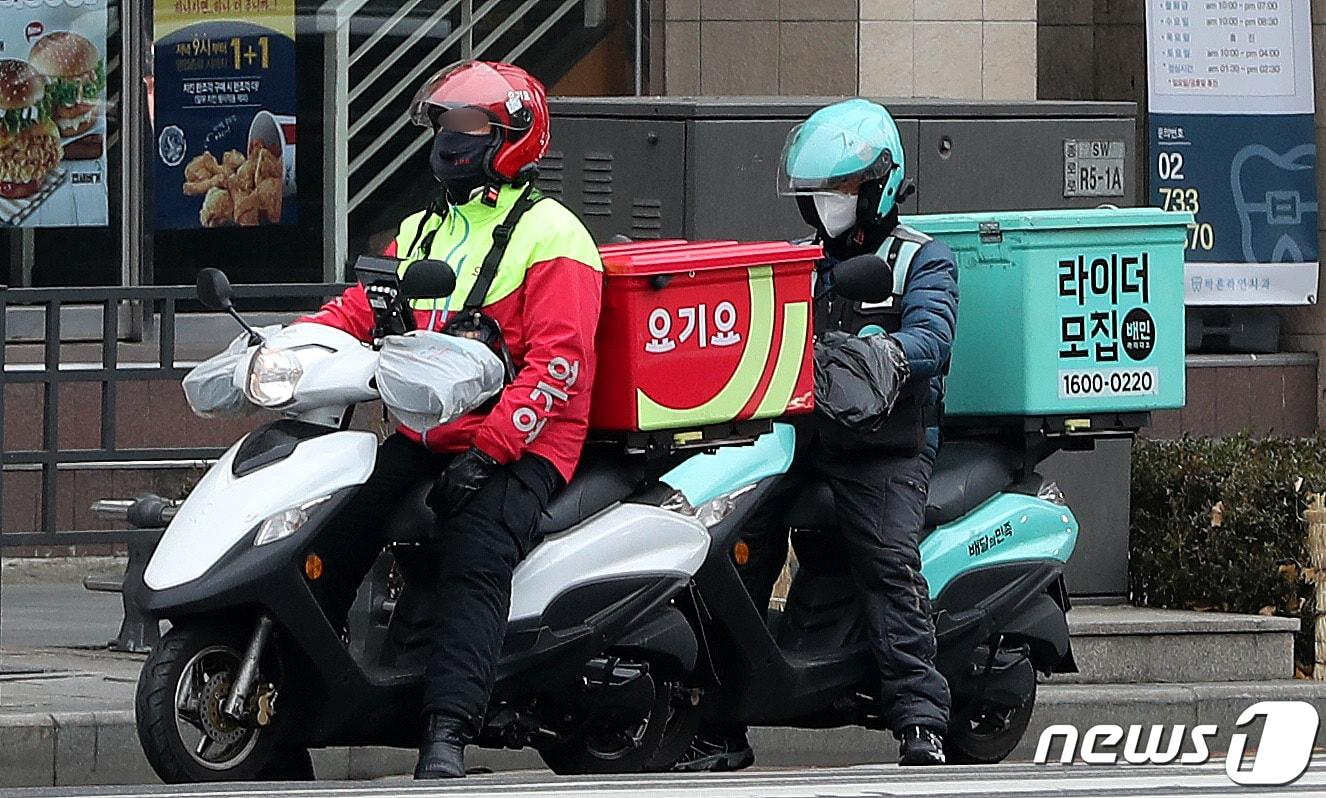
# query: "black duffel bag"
858,379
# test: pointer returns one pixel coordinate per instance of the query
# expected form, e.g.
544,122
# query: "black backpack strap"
427,243
895,249
429,213
501,237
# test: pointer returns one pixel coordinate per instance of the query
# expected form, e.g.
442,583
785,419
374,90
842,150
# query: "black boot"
716,751
920,746
442,751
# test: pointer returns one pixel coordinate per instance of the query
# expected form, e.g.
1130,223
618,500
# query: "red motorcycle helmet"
514,101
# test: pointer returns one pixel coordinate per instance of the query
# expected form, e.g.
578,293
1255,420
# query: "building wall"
1094,50
964,49
1305,328
760,47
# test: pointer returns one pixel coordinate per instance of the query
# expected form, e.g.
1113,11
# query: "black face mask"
457,161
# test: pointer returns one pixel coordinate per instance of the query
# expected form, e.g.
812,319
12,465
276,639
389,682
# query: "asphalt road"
1024,781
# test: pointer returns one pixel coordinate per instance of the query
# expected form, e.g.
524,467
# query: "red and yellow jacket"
545,296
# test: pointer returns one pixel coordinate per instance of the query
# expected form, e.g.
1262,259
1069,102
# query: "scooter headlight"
282,525
273,375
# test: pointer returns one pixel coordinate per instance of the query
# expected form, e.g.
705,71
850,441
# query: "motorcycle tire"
984,735
682,725
158,721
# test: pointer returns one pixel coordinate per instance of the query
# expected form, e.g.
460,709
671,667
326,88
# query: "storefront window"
237,95
60,70
266,137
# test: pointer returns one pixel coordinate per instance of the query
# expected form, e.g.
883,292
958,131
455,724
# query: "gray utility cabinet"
663,167
700,168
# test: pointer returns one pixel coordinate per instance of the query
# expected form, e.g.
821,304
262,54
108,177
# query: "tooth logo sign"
1259,216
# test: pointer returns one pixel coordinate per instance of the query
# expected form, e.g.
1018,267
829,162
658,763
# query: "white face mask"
837,212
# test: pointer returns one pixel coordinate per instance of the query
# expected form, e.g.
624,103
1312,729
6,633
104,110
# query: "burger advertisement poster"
52,113
224,113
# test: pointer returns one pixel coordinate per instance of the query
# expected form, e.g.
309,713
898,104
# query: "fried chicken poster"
224,102
52,114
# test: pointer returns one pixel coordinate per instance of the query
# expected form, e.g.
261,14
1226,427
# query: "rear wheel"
185,735
983,733
682,725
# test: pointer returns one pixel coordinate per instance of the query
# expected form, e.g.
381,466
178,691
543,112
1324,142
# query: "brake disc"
216,725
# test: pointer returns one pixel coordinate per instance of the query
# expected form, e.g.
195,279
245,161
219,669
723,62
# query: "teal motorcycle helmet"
850,148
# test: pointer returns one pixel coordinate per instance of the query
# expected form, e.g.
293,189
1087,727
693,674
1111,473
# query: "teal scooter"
997,537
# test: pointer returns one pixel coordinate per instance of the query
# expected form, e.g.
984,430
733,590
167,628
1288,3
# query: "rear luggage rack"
1101,425
1078,426
661,443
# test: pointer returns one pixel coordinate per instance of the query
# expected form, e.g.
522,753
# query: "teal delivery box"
1066,313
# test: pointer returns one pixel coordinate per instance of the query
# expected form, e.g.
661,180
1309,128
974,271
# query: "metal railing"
390,40
461,39
159,309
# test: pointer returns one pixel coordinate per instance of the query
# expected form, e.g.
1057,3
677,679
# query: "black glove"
460,481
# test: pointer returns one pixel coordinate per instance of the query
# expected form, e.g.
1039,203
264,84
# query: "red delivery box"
701,333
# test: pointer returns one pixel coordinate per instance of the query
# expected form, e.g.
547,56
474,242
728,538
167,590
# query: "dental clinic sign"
1233,141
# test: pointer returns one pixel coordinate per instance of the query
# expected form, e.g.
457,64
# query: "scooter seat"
966,474
602,479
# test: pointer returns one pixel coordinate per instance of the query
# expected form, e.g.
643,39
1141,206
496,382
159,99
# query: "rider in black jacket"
845,165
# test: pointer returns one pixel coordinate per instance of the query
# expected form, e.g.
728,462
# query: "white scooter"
252,674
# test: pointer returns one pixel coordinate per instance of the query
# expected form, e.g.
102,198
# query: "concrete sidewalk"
66,704
43,603
66,717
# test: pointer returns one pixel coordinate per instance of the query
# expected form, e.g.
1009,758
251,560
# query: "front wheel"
983,733
185,735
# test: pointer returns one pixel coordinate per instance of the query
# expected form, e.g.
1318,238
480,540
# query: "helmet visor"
823,158
469,85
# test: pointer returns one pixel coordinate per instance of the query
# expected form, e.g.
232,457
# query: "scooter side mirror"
864,278
428,279
214,289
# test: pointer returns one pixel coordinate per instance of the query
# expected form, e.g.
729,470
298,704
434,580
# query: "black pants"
480,547
880,501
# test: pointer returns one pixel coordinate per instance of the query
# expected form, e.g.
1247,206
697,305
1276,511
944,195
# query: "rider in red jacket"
497,468
545,298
